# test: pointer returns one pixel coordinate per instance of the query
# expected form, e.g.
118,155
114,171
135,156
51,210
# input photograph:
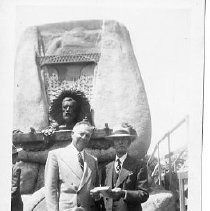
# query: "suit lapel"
124,173
71,160
108,182
109,173
87,170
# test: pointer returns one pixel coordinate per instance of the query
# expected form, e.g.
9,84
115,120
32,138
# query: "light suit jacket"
133,179
66,185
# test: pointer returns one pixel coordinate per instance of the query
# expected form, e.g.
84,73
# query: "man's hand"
116,193
95,194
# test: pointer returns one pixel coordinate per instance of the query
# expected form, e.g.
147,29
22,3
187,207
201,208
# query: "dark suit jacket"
133,178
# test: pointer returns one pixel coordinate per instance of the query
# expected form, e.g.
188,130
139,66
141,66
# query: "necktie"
117,171
81,162
118,166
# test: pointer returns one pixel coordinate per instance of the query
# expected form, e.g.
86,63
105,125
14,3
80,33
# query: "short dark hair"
82,108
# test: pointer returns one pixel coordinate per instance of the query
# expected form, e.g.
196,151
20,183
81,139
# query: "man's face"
81,136
69,109
121,145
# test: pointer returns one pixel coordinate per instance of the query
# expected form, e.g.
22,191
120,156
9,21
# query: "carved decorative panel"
59,77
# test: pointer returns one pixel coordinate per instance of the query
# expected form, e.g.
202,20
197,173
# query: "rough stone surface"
119,90
28,177
40,178
30,106
159,200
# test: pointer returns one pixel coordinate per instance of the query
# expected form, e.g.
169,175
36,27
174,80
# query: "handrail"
186,119
167,135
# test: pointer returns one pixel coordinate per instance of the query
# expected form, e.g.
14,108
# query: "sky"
168,43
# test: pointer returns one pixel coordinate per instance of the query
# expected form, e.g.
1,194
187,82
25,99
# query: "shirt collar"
122,159
75,151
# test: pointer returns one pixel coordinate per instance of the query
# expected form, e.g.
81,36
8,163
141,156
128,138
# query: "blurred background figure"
16,200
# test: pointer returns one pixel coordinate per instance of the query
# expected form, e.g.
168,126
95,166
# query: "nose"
68,109
120,141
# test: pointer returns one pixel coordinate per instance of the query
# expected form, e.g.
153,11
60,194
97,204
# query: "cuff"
98,199
126,192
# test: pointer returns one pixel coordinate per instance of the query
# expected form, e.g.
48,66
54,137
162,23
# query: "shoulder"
56,152
142,163
105,168
131,160
137,163
109,165
91,157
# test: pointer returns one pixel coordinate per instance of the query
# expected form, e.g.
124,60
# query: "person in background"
16,200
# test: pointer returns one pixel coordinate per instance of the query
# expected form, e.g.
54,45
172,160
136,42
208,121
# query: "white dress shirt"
122,159
76,152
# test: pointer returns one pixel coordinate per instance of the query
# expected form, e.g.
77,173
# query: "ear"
114,143
129,141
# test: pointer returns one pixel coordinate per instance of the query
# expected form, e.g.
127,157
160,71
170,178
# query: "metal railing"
167,137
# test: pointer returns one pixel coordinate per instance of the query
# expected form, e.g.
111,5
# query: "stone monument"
93,56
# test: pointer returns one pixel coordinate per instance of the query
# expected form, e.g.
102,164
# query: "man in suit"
71,173
126,176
